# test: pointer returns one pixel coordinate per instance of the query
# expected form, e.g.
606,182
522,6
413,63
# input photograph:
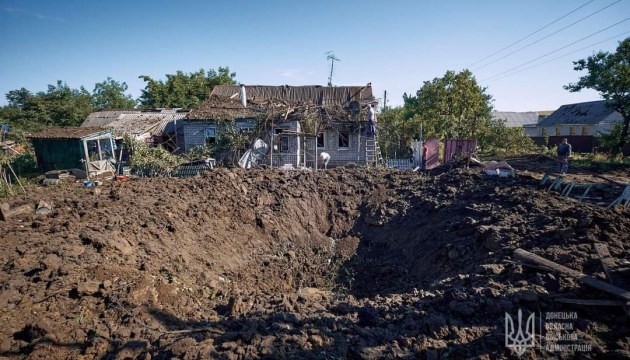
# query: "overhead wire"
534,33
554,51
559,57
546,37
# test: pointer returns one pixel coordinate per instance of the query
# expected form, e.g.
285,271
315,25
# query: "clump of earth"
343,263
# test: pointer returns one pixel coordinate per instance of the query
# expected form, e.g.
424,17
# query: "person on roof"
371,121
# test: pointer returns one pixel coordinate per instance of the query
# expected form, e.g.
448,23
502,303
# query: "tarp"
254,154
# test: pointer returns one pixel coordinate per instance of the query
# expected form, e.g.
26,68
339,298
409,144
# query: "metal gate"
310,151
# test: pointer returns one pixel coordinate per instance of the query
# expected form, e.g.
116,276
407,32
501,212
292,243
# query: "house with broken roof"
525,120
154,126
580,123
86,149
295,122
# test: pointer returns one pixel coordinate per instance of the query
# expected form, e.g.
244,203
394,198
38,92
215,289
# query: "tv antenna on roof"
330,56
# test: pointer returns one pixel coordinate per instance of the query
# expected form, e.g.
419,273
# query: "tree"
19,98
609,74
110,94
453,106
59,106
182,90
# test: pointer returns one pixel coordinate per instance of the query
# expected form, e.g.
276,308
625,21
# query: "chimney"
243,96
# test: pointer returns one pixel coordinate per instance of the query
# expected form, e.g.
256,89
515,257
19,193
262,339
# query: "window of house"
245,130
282,140
92,148
321,140
573,130
584,130
106,149
211,136
543,132
558,129
344,140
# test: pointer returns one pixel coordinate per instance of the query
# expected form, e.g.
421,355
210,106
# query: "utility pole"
330,56
385,100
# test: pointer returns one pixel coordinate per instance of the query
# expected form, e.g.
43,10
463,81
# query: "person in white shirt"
371,121
325,157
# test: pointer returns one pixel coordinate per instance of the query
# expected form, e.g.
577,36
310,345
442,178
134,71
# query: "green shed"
84,148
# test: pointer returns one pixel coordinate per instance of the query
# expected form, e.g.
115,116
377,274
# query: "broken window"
321,140
344,140
92,148
211,136
282,140
106,149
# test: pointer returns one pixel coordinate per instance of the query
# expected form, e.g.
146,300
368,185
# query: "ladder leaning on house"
373,152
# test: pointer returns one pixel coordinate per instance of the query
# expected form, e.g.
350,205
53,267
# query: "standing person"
371,121
425,153
325,157
564,152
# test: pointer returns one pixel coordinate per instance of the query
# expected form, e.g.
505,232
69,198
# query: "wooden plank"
605,258
593,302
526,256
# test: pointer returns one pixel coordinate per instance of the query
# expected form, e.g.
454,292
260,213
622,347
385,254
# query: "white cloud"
36,15
296,74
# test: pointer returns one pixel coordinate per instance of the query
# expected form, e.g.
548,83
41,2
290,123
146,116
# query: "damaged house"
85,149
298,121
153,126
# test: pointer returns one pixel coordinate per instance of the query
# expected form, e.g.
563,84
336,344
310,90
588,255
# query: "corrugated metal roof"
167,126
135,121
105,116
516,119
320,95
68,133
136,124
587,113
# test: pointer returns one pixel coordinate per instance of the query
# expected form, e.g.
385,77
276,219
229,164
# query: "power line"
553,33
559,57
535,32
554,51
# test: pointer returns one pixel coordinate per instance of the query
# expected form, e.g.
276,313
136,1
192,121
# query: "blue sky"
395,45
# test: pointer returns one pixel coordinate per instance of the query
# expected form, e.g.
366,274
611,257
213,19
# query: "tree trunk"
623,136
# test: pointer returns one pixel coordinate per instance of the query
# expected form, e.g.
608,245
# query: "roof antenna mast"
330,56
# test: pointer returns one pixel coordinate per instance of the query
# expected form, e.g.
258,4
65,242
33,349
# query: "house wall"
59,154
565,130
288,148
531,130
194,132
355,153
579,144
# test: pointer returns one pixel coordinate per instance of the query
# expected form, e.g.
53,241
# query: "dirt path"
345,263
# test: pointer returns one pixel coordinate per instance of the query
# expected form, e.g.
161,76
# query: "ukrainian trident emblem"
519,338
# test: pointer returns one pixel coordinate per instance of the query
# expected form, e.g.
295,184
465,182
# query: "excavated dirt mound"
345,263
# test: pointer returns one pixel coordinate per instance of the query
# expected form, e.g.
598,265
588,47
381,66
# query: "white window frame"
339,147
210,130
246,130
323,140
283,143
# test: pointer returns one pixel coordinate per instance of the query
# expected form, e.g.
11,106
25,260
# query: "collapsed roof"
286,103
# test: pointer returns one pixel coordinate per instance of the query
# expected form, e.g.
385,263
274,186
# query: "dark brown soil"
345,263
